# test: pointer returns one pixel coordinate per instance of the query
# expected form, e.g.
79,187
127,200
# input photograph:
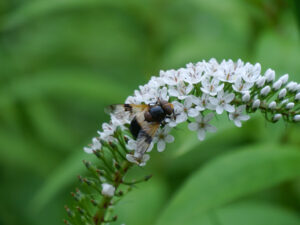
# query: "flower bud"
277,85
270,75
272,105
297,97
265,91
282,93
256,104
296,118
276,117
292,86
261,82
108,190
246,97
290,105
284,78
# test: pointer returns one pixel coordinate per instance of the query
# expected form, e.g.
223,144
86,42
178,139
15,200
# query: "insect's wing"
120,109
145,136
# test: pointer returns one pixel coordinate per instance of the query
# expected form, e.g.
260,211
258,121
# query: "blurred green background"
62,61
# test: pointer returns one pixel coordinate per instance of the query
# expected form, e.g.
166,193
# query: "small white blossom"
222,102
252,73
241,86
193,74
185,110
202,125
203,103
132,145
136,159
211,85
171,77
108,190
181,90
95,146
162,137
238,116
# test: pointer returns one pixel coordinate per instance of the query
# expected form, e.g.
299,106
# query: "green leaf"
230,177
71,83
62,176
142,204
256,213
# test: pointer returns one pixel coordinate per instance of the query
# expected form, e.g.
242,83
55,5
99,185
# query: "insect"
145,121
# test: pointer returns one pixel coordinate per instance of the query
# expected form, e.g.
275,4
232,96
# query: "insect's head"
167,107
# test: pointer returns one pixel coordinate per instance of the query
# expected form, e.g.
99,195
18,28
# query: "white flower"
202,126
95,146
238,116
185,110
170,77
252,72
141,161
108,131
193,74
227,72
108,190
203,103
222,102
132,145
211,85
181,90
241,86
162,137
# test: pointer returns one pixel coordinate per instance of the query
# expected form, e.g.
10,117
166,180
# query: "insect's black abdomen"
134,127
157,113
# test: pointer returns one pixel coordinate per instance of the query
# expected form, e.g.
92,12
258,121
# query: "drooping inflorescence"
198,92
201,90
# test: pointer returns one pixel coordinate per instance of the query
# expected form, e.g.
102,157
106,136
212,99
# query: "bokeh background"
63,61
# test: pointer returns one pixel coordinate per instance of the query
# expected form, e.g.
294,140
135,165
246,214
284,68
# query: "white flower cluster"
201,90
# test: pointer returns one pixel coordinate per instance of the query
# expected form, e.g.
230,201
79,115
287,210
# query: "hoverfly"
146,119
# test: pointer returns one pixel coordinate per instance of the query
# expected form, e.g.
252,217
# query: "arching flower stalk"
198,92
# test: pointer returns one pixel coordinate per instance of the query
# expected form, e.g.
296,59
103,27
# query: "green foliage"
231,177
63,61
